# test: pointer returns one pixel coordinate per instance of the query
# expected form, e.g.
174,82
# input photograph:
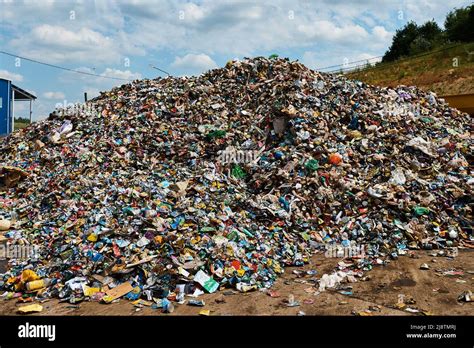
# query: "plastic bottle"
38,284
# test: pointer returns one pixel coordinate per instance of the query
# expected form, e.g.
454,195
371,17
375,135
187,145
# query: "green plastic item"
273,56
312,165
238,172
421,211
233,235
216,134
248,233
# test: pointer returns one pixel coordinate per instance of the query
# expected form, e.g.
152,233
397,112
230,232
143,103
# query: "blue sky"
122,38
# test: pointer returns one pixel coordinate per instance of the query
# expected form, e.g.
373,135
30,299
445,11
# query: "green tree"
431,31
430,35
459,24
401,42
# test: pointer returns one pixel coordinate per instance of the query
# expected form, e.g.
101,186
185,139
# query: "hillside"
436,71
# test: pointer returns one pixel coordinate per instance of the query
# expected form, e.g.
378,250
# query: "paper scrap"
208,283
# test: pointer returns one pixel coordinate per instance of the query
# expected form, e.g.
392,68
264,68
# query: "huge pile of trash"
182,185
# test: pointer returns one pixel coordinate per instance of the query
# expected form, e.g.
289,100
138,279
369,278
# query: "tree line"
414,39
22,120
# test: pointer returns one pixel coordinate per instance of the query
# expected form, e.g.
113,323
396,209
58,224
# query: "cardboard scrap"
179,186
145,260
118,291
33,308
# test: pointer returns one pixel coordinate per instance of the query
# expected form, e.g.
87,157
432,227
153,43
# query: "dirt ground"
426,290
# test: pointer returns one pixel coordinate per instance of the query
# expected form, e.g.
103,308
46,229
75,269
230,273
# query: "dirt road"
428,291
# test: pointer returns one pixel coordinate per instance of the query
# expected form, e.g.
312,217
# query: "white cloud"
381,33
121,74
104,32
192,12
194,63
56,44
54,95
59,36
328,31
5,74
421,11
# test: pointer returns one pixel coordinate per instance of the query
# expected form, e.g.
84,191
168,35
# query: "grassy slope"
20,125
434,71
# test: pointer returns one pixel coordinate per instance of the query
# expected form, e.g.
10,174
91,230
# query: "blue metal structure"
9,93
5,107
